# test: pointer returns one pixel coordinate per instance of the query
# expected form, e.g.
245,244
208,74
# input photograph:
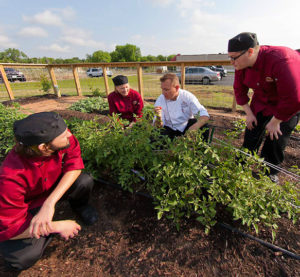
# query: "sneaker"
87,214
274,178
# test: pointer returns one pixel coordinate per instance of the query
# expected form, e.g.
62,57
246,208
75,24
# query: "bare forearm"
201,122
26,233
64,184
247,109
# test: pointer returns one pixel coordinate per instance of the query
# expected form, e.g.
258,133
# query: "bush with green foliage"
45,83
97,92
186,176
8,115
91,104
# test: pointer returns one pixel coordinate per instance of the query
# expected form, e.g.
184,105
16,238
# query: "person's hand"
130,125
67,228
273,128
251,121
41,223
158,111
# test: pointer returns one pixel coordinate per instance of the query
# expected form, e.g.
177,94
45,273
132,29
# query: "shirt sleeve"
14,215
240,90
72,156
287,74
111,103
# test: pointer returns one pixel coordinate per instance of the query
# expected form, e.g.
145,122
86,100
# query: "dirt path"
46,105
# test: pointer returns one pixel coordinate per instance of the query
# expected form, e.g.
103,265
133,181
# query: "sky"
71,28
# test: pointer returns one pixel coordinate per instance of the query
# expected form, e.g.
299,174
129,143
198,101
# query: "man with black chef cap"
43,167
273,73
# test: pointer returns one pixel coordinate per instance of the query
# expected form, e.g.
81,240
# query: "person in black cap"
43,167
125,101
272,72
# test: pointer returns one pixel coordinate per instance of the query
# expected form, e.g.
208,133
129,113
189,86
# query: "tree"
98,57
161,58
12,55
170,57
126,53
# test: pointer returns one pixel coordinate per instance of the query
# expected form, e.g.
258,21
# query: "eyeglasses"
235,58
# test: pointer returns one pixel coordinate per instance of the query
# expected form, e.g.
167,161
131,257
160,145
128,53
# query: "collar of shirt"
259,61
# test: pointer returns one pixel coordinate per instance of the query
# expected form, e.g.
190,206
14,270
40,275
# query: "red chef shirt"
275,80
127,106
25,183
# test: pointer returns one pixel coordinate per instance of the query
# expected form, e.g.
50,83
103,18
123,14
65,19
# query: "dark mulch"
31,99
128,240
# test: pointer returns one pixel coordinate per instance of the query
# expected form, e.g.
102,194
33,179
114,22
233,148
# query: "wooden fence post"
140,80
6,83
54,82
182,76
105,80
76,79
233,104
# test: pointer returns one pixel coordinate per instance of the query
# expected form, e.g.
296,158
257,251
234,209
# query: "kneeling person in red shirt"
124,100
43,167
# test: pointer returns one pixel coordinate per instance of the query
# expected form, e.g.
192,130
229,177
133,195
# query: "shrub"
96,93
90,105
186,176
8,115
45,83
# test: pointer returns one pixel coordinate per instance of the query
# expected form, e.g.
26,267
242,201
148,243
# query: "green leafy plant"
45,83
97,92
8,115
238,128
186,176
89,105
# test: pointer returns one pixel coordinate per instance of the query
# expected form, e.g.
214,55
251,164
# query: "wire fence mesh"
216,93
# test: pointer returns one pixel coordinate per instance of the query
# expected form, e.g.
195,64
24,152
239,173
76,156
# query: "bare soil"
128,240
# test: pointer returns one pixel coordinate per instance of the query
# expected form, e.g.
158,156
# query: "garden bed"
128,240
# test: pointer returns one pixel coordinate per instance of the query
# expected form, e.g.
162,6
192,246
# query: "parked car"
97,72
219,68
13,75
197,74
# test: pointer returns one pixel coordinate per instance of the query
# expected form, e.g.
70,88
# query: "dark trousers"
272,150
23,253
176,133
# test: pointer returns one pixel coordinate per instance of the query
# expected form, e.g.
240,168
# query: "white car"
97,72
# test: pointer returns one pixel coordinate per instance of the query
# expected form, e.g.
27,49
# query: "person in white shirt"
176,109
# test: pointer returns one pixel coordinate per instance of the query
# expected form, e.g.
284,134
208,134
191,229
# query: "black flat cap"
120,80
242,41
39,128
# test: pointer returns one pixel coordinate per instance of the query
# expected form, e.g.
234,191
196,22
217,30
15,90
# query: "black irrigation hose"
267,244
224,225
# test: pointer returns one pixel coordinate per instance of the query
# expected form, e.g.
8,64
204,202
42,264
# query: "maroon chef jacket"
275,80
25,183
127,106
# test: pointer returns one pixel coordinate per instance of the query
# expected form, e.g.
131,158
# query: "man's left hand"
41,223
273,128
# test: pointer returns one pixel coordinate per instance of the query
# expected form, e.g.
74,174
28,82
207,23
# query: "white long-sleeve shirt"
176,113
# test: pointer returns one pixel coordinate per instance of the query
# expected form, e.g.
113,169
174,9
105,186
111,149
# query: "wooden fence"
138,65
